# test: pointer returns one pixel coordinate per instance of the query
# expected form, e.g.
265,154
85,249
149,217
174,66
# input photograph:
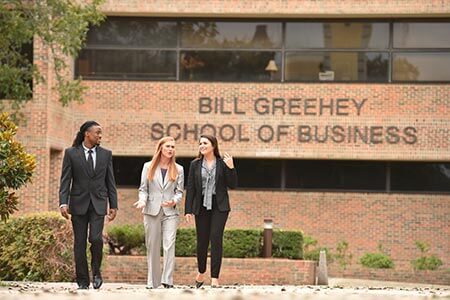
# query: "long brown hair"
214,144
173,173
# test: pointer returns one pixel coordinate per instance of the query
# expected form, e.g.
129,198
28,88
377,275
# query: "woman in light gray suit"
160,192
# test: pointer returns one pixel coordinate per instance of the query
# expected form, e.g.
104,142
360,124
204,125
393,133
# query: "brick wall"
363,220
133,269
275,8
127,111
441,276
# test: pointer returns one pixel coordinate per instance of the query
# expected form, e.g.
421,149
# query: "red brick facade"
133,269
127,111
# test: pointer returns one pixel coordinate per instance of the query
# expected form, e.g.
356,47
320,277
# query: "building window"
242,66
314,175
139,48
336,175
337,66
421,52
231,35
127,64
259,173
130,48
420,177
421,66
335,35
421,35
128,169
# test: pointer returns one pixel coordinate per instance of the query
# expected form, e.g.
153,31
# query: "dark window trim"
283,173
178,49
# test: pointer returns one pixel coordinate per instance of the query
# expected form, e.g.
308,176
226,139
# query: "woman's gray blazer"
154,192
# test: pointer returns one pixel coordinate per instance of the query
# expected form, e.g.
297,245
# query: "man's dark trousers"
80,224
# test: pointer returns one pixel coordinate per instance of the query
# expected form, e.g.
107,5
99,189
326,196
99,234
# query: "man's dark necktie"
90,160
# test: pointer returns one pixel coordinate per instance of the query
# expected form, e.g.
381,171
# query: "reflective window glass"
258,173
329,174
421,66
231,35
336,66
337,35
428,177
133,32
128,169
230,66
421,35
127,64
313,174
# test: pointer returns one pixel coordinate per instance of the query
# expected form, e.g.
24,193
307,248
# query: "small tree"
16,167
61,25
425,261
343,257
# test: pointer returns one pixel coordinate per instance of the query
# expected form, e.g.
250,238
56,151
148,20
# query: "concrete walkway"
338,289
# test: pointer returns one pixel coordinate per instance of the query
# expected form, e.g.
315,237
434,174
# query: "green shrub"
376,261
315,254
124,238
342,256
16,167
186,242
129,239
308,242
36,247
424,262
287,244
312,252
427,263
241,243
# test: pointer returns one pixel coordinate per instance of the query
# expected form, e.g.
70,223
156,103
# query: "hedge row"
239,243
36,247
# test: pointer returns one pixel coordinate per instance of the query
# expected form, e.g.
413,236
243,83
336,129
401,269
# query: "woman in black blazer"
207,199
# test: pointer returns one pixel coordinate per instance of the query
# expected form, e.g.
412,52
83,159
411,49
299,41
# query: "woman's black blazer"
225,178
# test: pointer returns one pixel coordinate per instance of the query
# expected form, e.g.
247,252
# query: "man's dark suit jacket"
225,178
79,185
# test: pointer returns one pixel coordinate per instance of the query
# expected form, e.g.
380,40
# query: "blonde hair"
173,173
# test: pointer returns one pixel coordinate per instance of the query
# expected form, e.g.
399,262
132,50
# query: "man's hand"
112,214
189,218
64,211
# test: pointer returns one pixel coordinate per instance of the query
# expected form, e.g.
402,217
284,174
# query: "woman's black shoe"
198,284
167,286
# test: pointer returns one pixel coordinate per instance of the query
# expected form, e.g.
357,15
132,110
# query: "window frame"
283,49
387,165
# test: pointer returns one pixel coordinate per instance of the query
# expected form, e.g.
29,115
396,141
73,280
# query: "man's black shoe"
83,287
97,282
167,286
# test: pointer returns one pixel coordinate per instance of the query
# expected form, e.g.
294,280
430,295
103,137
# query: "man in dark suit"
87,186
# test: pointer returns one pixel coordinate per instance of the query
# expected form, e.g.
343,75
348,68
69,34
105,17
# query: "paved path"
338,289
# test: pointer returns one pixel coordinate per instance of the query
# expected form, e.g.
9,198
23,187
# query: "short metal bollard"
267,240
